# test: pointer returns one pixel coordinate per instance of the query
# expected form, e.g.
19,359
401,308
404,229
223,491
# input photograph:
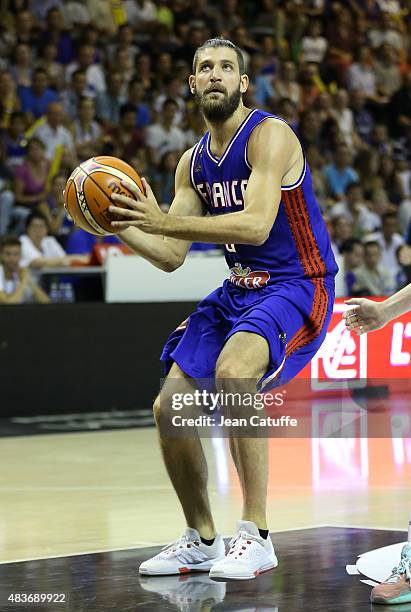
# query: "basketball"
89,188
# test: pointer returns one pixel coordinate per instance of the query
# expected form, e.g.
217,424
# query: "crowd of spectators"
110,77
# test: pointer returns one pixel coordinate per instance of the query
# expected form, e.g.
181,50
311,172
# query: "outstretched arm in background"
368,316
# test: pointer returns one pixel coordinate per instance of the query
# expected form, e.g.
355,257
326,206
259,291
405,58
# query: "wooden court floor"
66,496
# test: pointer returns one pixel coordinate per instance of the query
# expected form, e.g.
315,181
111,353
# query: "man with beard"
245,184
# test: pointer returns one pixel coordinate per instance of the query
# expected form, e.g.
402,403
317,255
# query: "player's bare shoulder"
275,141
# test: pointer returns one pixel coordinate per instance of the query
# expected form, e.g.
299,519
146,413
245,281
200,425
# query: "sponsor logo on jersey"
247,278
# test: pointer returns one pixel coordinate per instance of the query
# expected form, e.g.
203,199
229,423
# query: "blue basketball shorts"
292,316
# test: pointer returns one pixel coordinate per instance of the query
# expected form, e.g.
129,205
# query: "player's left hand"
142,212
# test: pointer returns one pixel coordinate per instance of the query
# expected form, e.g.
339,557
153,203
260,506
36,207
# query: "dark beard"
218,111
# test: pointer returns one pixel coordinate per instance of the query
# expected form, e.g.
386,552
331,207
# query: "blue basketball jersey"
298,245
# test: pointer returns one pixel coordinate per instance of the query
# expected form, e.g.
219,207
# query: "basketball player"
367,316
245,184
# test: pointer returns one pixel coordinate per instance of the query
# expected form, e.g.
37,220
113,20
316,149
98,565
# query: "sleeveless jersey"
298,246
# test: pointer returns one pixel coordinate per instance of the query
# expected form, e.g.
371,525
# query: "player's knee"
229,371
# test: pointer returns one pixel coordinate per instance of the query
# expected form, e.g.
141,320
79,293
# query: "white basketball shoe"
249,555
188,554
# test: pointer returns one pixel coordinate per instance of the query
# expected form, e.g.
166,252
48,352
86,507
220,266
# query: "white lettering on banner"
342,357
398,357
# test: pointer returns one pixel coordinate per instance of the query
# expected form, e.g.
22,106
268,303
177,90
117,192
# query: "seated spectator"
21,69
6,195
286,85
17,285
87,132
53,133
54,70
172,90
94,72
344,117
164,136
35,99
101,16
391,180
313,44
55,31
399,110
60,224
42,251
389,240
385,32
340,173
260,89
140,13
125,137
30,180
164,177
353,253
361,75
354,209
341,231
372,277
14,141
362,114
387,72
70,96
136,97
109,102
9,100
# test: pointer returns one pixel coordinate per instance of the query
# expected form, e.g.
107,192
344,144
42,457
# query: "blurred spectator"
101,16
70,96
353,208
54,69
172,90
392,181
380,140
143,69
286,86
95,79
81,243
21,69
14,141
52,132
164,178
387,71
389,240
55,31
108,103
340,173
86,131
30,179
35,99
342,231
260,90
385,33
399,110
163,136
353,252
136,97
17,286
363,117
344,118
310,85
9,100
372,277
59,223
40,250
24,28
125,137
140,13
361,75
314,45
6,195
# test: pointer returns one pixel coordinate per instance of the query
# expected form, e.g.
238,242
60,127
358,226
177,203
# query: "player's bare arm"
162,251
272,151
368,315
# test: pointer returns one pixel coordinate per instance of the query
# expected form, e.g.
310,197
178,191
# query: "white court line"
139,544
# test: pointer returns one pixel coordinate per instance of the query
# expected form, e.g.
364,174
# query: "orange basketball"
88,191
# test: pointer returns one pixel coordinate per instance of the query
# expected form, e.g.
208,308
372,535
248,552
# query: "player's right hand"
366,315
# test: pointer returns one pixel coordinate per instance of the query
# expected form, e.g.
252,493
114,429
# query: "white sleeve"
52,248
28,252
1,278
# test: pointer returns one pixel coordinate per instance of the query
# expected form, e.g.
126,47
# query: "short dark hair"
33,216
372,243
389,215
349,244
7,241
169,101
39,70
127,108
220,42
351,186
